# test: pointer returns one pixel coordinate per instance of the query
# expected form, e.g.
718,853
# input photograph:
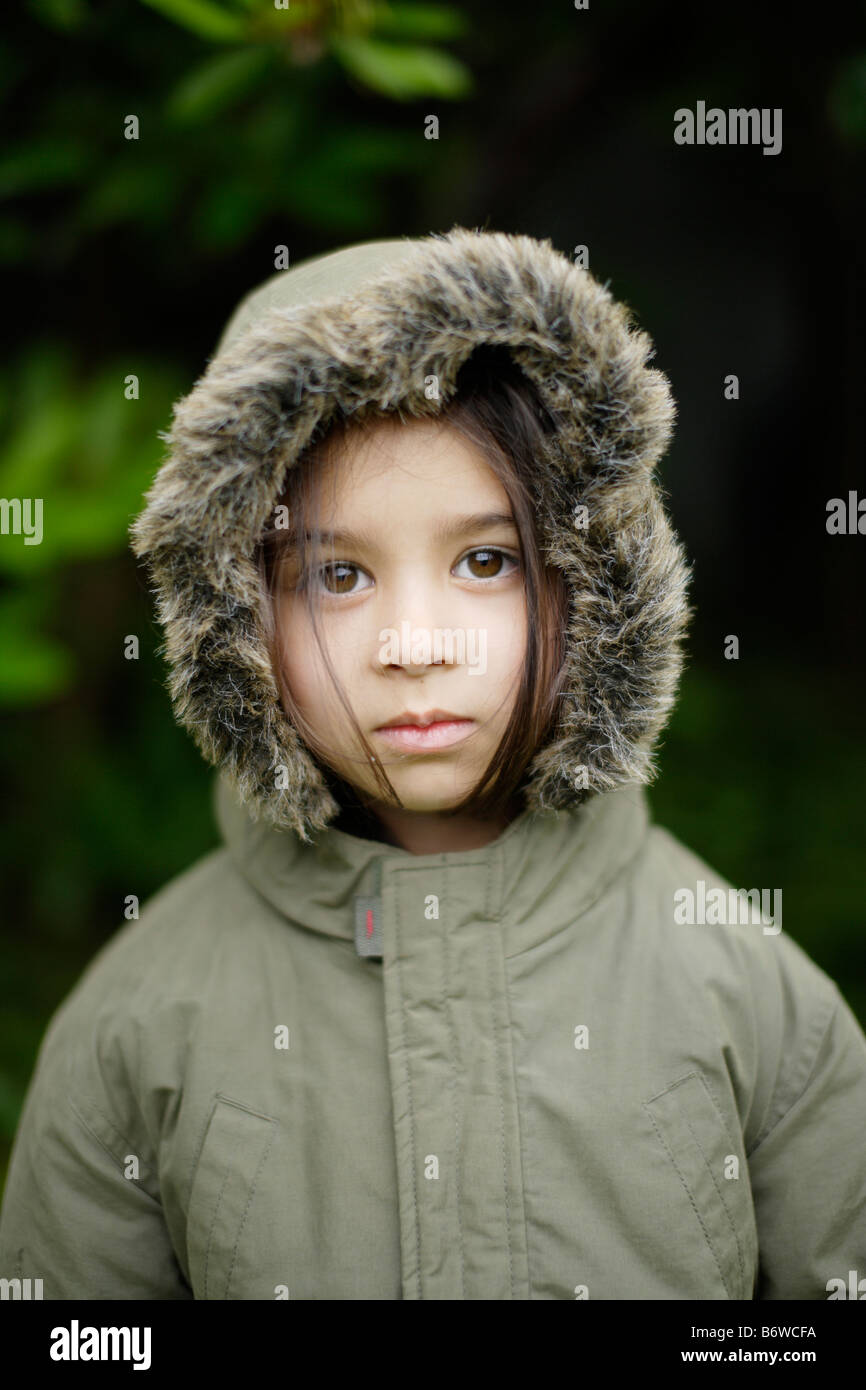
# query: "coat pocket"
693,1133
230,1162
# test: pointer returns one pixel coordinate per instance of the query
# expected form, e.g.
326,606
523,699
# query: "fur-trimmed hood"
370,324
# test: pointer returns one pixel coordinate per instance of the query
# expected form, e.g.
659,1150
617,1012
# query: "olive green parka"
322,1067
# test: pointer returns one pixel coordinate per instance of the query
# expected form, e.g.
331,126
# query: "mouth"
425,732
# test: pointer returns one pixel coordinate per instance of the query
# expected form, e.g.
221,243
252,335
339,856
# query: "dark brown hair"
496,408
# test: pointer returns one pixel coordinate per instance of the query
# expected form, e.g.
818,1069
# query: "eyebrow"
444,531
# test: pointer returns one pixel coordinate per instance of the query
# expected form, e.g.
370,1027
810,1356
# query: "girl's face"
422,611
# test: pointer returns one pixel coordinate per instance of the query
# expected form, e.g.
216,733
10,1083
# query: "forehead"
407,457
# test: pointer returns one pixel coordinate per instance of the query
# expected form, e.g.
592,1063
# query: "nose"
414,642
411,648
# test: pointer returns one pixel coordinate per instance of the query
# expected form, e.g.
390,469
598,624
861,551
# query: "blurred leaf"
34,456
38,373
130,190
40,163
15,241
846,99
333,206
33,667
13,69
217,83
203,17
230,211
84,449
400,71
270,24
353,155
272,133
419,21
60,14
44,421
333,182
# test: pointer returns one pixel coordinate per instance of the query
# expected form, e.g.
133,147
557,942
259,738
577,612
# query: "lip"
407,717
420,733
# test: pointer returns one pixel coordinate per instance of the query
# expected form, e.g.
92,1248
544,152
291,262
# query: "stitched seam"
498,1051
732,1144
448,1012
667,1089
408,1075
194,1162
139,1089
252,1192
824,1031
219,1099
720,1197
215,1213
247,1109
690,1197
674,1085
618,875
521,1152
102,1144
102,1115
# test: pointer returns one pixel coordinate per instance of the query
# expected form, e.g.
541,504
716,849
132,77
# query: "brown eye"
486,562
337,578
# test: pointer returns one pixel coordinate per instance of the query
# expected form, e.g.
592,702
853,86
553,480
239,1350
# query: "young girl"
431,1024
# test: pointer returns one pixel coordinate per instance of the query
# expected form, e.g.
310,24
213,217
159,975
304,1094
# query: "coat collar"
537,877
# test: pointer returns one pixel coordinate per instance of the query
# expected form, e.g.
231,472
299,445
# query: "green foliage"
352,31
203,17
400,71
744,787
241,123
419,21
36,666
77,443
43,164
846,99
64,15
217,84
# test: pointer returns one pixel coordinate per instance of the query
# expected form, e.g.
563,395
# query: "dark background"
305,127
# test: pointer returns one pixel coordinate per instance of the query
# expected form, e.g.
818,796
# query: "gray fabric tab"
368,926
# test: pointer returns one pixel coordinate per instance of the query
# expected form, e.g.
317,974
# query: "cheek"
509,637
298,649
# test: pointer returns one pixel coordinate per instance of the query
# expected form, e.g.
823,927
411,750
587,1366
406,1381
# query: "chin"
427,802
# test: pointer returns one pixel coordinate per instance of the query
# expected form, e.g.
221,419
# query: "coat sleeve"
808,1170
73,1215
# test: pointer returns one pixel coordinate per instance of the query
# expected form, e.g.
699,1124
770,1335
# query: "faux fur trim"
255,408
